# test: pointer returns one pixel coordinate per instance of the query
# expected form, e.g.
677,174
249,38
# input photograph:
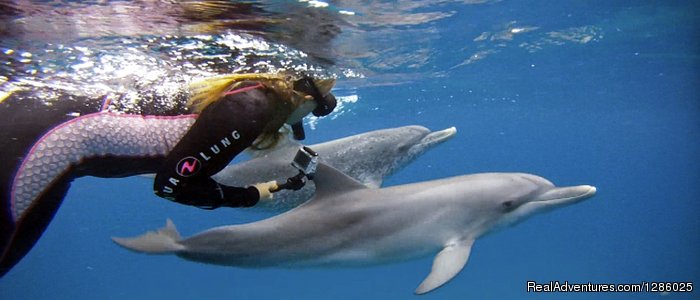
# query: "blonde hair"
207,91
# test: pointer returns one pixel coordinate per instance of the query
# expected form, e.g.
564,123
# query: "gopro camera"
306,161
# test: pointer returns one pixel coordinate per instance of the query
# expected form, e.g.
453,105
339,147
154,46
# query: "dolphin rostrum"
347,223
367,157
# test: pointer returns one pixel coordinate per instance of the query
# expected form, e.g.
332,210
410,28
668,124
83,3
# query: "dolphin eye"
508,205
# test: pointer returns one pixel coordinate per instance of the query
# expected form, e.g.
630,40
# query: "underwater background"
605,93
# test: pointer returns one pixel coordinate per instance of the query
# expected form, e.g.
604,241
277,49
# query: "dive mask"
324,104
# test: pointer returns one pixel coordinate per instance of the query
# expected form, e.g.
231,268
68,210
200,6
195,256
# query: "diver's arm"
222,131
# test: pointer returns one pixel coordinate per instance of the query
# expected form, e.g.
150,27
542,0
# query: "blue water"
618,107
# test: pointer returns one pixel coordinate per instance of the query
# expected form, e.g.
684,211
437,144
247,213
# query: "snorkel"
321,106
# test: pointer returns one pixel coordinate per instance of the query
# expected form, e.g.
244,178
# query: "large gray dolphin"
367,157
347,223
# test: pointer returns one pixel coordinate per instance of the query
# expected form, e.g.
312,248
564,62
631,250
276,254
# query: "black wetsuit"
223,130
47,146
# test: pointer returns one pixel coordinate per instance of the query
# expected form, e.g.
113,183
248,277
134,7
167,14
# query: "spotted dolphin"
346,223
368,157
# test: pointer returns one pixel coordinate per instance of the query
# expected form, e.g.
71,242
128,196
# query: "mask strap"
243,89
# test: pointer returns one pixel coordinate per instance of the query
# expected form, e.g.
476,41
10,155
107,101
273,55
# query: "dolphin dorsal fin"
330,181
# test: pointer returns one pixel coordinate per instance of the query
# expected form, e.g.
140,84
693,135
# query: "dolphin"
367,157
347,223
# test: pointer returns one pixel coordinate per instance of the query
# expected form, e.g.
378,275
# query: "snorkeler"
50,145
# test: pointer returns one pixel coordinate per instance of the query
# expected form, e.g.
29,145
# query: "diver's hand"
265,189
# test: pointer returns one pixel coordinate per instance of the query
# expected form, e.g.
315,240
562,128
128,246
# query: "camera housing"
306,161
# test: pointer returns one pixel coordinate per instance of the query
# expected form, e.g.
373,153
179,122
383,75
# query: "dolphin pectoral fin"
446,265
163,241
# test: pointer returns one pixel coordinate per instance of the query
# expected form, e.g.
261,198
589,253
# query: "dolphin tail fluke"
163,241
446,265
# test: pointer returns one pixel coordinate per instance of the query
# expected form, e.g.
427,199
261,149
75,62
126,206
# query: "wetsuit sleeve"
222,130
